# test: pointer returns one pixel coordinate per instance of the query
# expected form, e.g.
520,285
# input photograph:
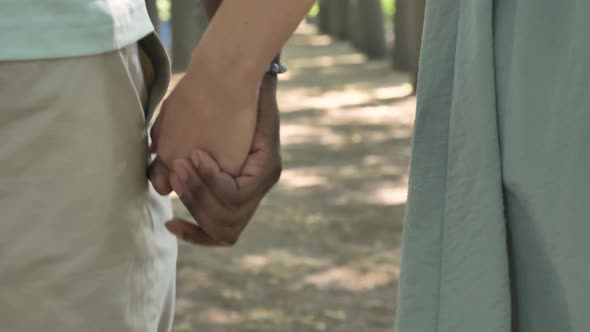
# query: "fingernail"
176,232
177,185
170,227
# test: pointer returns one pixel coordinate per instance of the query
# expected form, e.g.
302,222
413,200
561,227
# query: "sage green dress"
497,233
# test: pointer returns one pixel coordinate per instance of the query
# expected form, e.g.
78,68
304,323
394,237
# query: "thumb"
159,175
190,232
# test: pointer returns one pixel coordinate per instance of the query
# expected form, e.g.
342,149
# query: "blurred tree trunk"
152,8
189,21
324,16
366,27
373,25
354,23
408,25
337,17
420,12
402,24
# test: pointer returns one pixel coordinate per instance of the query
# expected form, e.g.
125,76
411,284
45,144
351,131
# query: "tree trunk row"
408,25
359,21
188,21
362,23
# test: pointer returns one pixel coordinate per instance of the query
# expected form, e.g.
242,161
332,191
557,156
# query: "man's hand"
221,204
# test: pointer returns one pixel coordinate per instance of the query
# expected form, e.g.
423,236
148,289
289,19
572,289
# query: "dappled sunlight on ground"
350,279
322,253
326,61
282,258
293,179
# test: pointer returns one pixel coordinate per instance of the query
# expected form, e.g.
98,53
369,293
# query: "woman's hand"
211,112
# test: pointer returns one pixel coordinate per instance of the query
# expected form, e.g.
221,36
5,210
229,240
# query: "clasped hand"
218,149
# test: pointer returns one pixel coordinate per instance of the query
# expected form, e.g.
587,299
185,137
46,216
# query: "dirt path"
323,252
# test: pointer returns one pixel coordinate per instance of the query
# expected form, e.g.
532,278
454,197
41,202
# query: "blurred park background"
323,252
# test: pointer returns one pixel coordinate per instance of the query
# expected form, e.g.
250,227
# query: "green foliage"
314,10
164,10
388,9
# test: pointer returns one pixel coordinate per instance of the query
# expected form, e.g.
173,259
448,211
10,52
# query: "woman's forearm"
245,35
211,7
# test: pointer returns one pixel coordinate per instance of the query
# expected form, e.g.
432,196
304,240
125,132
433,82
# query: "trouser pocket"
156,67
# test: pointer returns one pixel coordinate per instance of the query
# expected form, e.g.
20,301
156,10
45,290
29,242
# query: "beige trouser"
83,245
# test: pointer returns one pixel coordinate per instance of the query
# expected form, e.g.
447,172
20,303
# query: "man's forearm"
245,35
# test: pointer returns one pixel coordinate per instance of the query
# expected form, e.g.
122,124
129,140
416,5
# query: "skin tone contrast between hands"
217,137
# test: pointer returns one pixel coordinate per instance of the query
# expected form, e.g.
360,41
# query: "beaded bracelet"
277,68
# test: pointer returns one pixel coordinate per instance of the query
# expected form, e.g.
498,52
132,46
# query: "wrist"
268,85
237,92
224,65
236,85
